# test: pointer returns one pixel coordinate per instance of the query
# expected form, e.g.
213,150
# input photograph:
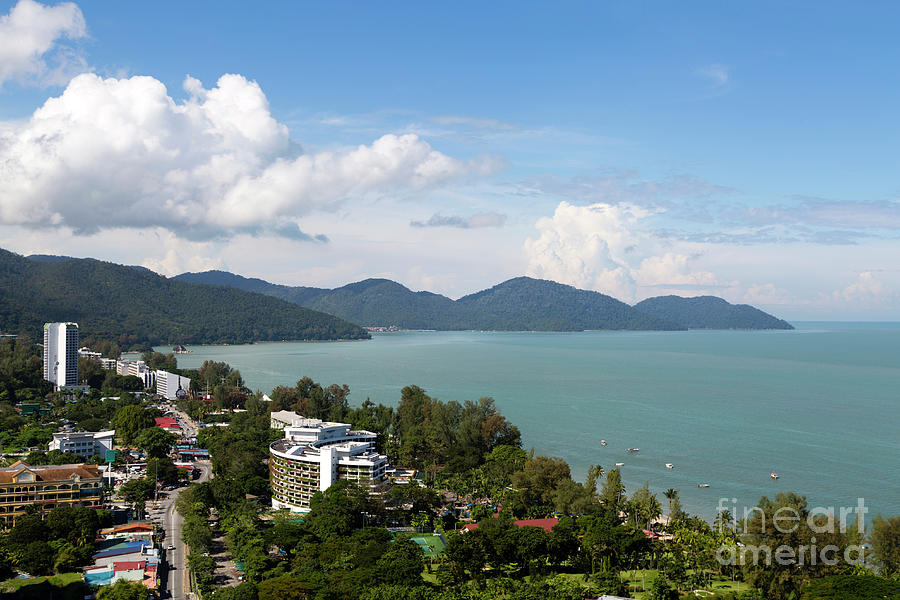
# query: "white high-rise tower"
61,353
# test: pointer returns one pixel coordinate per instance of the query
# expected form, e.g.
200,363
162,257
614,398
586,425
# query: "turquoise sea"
820,405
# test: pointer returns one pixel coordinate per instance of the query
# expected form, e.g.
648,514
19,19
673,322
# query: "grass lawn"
67,586
61,580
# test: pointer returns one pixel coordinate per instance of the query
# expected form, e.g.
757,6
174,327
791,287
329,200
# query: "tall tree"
613,491
129,421
786,522
885,540
155,442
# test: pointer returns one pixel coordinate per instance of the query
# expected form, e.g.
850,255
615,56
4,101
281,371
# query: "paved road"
176,580
177,585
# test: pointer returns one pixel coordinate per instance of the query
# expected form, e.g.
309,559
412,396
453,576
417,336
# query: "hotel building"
46,487
315,454
61,353
169,384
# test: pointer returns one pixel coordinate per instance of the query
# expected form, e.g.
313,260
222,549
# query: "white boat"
620,464
773,475
702,485
632,450
602,442
670,466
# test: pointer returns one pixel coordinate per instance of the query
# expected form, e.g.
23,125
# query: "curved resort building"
314,454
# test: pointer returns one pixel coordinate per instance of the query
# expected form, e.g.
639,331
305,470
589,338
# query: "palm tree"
671,494
595,472
724,520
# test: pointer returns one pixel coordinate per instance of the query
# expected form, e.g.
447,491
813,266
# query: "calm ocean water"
820,405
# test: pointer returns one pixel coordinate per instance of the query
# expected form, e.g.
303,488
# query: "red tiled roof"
545,524
166,422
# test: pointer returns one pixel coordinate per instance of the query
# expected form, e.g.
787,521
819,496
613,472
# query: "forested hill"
296,294
525,303
381,301
368,302
137,306
520,304
709,312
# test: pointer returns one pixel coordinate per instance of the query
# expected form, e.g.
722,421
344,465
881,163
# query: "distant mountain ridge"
709,312
524,303
134,305
519,304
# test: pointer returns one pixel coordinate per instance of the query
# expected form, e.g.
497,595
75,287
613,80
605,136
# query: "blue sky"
639,149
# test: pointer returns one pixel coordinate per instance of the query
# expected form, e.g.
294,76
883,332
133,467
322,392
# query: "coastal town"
150,480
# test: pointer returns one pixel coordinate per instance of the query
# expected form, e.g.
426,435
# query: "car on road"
170,547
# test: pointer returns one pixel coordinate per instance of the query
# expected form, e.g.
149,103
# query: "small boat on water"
670,466
633,450
773,475
602,442
620,464
702,485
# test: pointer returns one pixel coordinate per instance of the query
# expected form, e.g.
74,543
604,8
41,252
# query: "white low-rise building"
315,454
88,353
137,368
168,384
83,443
283,418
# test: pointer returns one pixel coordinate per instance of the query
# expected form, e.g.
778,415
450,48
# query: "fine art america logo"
787,536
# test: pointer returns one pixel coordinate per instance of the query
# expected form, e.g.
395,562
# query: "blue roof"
127,548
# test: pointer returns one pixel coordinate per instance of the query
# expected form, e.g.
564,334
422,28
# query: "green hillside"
524,303
296,294
709,312
137,306
385,302
520,304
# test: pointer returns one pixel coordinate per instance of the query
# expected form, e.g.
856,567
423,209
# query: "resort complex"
314,454
46,487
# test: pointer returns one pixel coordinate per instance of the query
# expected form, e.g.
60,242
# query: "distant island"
519,304
135,306
709,312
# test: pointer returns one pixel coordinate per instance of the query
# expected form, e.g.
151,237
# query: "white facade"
83,443
108,364
168,384
137,368
61,353
88,353
282,418
315,454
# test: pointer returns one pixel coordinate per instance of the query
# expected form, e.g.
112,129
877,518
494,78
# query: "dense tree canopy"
136,307
131,420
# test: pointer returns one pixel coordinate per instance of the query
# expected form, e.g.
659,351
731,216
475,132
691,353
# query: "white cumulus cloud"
865,291
30,42
602,247
111,153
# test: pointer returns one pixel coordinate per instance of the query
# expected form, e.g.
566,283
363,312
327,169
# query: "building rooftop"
167,422
49,472
93,434
295,420
545,524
